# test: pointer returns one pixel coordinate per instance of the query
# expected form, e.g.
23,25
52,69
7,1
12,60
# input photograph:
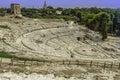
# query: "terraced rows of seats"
56,39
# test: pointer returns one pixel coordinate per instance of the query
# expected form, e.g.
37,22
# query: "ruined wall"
15,9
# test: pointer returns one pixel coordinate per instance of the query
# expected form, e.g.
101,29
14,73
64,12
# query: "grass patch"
4,54
4,27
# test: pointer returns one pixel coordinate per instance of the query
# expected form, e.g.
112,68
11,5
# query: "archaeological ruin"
15,9
55,49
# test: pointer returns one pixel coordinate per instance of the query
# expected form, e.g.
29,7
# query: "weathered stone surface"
15,9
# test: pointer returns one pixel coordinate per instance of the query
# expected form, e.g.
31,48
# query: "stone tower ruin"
15,9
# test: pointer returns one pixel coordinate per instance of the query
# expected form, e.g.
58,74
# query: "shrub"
4,27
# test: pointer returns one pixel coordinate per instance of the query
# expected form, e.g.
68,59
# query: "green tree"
67,12
88,20
98,22
94,10
79,15
102,20
50,7
116,20
60,8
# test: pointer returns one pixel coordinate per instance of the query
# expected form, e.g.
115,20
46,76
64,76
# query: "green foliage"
50,7
88,20
4,27
31,12
116,22
101,21
67,12
79,15
94,10
4,54
67,18
60,8
110,29
98,22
